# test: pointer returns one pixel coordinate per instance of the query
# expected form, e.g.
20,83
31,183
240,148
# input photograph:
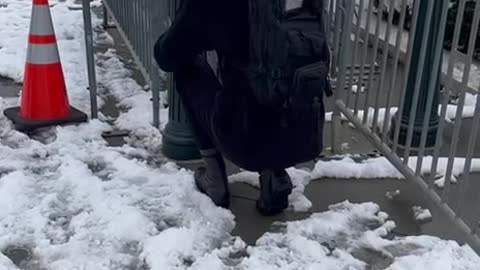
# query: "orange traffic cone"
44,99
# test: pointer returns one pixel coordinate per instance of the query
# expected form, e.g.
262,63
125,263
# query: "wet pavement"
9,88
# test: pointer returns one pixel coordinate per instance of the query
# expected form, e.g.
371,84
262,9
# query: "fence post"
422,74
178,141
92,80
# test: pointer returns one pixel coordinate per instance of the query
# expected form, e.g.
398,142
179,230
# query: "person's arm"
185,39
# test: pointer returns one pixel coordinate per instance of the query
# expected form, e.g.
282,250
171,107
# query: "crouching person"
265,111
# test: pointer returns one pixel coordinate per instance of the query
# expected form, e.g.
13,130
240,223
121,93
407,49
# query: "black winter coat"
248,134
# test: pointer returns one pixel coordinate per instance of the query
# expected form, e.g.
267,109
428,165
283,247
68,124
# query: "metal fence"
402,109
140,23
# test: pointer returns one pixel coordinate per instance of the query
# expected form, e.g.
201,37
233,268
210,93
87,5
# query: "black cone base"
25,125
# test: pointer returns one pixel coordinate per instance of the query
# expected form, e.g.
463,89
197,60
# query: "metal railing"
140,23
402,112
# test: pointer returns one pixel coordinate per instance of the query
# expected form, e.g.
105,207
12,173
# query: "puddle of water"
9,88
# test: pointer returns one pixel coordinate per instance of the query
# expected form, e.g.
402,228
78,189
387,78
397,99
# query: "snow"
59,202
77,203
5,262
380,168
300,179
468,111
355,89
421,215
391,195
440,182
74,202
336,238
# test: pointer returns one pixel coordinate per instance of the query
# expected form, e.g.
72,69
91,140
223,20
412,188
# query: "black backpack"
289,54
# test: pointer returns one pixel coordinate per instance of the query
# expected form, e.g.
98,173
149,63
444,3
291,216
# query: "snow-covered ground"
74,202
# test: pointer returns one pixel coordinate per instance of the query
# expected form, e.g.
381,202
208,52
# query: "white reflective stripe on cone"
41,23
43,54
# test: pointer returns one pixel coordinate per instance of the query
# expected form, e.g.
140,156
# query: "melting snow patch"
421,215
392,195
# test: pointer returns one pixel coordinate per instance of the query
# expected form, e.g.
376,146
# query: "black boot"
275,186
212,179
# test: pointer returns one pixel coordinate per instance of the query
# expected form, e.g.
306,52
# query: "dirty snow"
74,202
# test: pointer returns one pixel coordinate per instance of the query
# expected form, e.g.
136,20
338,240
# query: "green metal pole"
423,25
178,140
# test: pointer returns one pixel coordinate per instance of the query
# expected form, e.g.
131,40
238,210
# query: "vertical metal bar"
136,35
384,65
347,26
356,41
336,40
334,69
396,57
411,39
330,21
154,87
433,84
364,55
347,29
461,103
106,23
465,183
439,139
413,111
372,65
92,81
